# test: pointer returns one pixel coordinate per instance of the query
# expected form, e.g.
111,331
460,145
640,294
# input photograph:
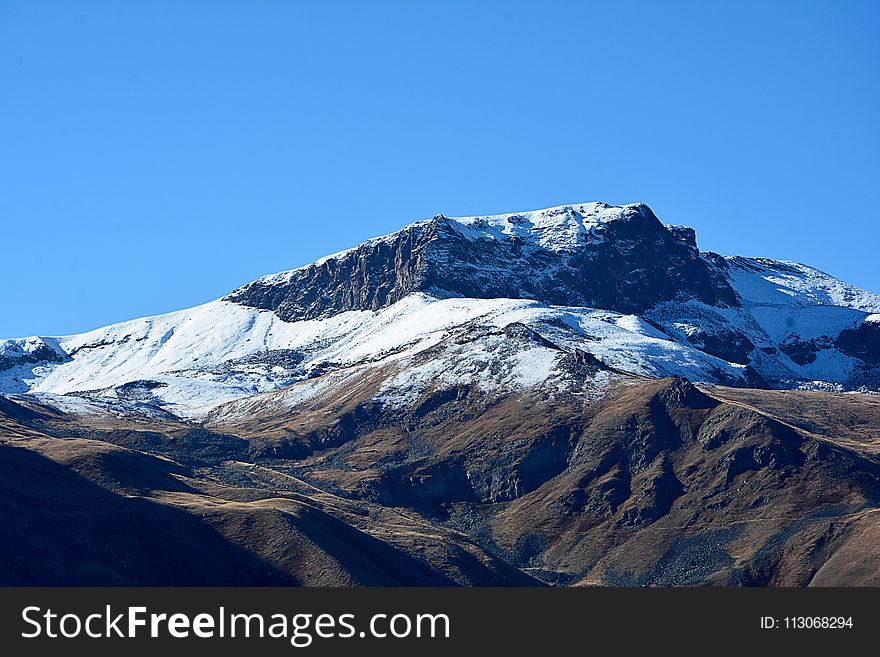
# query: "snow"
72,404
560,228
24,377
491,363
806,322
765,281
194,352
19,347
636,324
222,352
830,365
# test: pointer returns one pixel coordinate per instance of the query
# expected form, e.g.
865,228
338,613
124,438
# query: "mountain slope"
85,511
657,483
469,401
609,281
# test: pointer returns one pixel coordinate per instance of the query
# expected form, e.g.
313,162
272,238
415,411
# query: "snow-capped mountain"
562,299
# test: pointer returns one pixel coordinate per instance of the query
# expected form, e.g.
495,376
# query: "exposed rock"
42,353
632,264
862,342
803,352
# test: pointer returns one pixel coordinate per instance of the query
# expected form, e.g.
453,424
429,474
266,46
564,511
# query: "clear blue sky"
155,155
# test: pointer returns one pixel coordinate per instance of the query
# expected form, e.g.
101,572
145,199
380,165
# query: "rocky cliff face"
621,259
862,341
28,352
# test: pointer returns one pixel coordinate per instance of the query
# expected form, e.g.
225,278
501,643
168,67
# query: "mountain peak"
597,255
558,228
609,281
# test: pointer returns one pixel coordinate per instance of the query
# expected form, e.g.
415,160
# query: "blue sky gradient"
155,155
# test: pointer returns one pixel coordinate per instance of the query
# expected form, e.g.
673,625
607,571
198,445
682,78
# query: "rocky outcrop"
627,264
862,342
372,276
33,354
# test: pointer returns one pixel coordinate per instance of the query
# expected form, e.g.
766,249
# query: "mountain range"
569,396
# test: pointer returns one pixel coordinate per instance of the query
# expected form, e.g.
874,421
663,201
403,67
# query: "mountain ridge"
611,281
548,255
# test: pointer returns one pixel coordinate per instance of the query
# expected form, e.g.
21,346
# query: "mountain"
612,282
575,395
